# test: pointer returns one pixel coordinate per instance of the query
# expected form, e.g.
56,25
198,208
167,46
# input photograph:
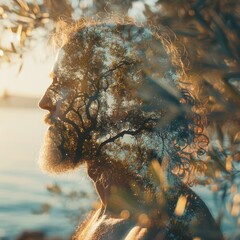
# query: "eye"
67,84
55,86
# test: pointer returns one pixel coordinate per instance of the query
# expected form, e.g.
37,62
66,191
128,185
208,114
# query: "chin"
52,159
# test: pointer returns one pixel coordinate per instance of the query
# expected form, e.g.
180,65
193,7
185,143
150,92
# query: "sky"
33,79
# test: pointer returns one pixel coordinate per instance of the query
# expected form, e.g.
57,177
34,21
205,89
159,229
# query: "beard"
58,152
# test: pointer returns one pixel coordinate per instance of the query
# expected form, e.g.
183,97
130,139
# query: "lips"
49,119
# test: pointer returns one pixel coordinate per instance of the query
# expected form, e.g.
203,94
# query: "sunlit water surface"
23,187
23,192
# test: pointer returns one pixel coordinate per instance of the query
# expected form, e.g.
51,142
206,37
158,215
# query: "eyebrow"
52,75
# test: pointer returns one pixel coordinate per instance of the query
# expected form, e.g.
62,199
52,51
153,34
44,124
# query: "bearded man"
117,104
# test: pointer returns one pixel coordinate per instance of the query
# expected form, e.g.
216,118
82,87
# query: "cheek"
64,102
65,93
51,158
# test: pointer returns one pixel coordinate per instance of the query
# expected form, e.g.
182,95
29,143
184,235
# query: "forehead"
67,64
96,49
59,59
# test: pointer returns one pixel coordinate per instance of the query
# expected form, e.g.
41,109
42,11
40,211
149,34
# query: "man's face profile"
76,100
94,111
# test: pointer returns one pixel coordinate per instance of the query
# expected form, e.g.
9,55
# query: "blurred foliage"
74,203
209,30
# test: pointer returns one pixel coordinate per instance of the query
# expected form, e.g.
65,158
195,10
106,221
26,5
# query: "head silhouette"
115,97
117,102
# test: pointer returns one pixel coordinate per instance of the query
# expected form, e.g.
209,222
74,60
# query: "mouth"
49,119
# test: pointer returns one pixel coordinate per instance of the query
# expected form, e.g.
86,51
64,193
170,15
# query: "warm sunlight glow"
1,11
125,214
19,33
143,219
7,38
181,205
229,164
236,198
4,15
214,187
160,173
217,173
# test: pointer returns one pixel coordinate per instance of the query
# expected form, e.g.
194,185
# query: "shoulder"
196,220
103,228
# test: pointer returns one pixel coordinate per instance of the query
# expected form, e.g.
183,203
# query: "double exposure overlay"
116,103
120,119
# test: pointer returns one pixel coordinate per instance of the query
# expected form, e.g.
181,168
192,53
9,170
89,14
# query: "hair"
185,132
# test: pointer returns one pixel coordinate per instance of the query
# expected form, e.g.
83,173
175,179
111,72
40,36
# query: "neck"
112,179
118,187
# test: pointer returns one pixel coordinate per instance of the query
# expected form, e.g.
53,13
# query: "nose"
47,103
